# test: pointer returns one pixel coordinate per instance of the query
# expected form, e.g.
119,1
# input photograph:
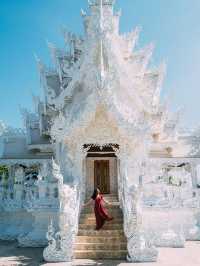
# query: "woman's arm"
88,203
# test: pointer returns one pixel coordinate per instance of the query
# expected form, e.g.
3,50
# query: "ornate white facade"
102,101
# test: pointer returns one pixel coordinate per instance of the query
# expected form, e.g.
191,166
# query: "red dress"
100,212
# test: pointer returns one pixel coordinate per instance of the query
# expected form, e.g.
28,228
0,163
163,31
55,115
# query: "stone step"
101,246
111,199
112,209
110,196
100,254
103,233
108,207
115,196
92,220
107,226
115,214
101,239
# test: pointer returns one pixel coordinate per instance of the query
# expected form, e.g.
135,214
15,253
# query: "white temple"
100,124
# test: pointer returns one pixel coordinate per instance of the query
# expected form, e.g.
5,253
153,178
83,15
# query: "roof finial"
101,2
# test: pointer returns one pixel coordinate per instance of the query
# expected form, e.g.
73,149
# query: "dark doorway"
102,176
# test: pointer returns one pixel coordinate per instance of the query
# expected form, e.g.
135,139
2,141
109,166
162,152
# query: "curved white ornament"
60,244
140,249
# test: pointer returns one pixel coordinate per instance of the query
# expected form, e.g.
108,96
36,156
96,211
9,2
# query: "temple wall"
194,163
36,236
29,200
15,223
29,228
15,147
158,221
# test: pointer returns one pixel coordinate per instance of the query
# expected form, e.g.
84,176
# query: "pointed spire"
132,38
36,101
40,65
159,75
67,35
119,13
101,69
101,6
53,50
142,57
101,17
162,71
24,113
101,2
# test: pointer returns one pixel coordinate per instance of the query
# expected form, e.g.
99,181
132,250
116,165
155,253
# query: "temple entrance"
101,169
102,175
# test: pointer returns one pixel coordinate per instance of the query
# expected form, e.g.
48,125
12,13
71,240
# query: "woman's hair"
95,193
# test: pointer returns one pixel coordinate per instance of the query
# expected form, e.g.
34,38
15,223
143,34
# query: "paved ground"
10,255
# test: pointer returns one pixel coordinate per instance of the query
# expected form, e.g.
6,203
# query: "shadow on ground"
97,263
10,254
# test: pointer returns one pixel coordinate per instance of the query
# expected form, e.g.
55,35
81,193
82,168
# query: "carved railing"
61,244
140,249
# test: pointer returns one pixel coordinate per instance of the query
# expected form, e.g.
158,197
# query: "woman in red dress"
100,212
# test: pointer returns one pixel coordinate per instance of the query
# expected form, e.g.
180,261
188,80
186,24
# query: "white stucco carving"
140,248
100,92
60,244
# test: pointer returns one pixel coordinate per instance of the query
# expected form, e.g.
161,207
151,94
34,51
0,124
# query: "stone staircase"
107,243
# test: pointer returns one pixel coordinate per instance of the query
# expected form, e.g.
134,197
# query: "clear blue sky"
173,25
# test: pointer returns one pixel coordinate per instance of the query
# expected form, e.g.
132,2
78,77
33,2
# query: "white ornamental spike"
89,3
119,13
101,15
36,100
40,65
83,13
56,172
67,35
50,44
52,49
162,72
2,127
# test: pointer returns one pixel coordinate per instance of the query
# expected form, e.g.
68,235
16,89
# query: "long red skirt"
100,213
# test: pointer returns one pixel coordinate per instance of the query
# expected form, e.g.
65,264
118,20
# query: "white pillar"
195,174
18,182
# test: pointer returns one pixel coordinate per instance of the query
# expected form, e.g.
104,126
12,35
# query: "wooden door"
102,176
